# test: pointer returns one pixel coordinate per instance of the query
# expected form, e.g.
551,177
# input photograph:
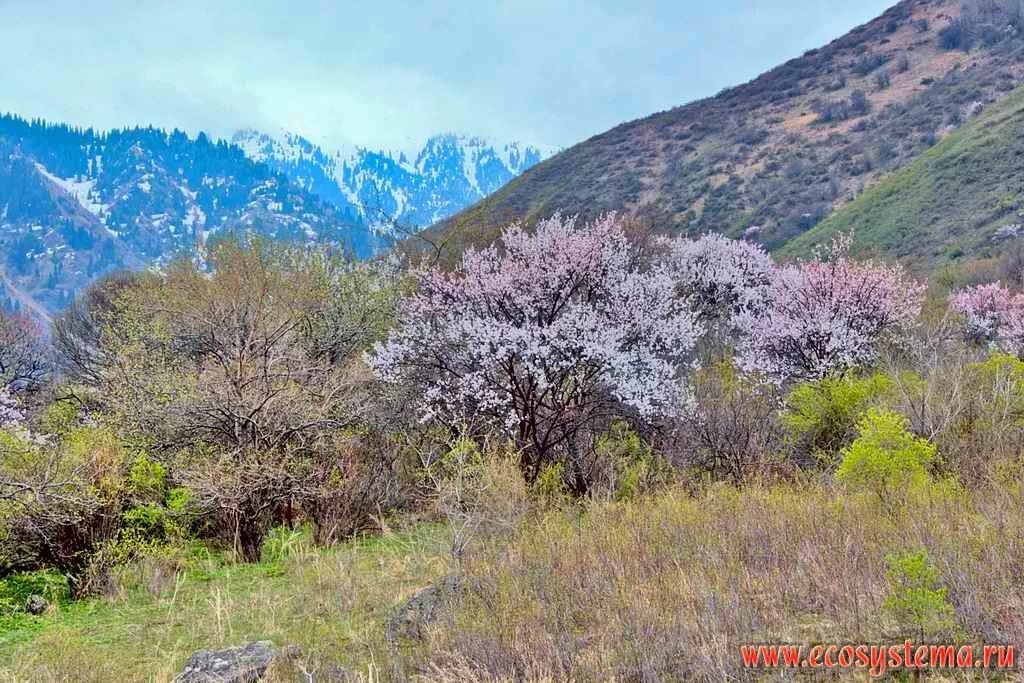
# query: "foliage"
916,596
820,416
631,467
60,502
885,458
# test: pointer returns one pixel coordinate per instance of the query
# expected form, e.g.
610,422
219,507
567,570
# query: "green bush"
916,597
821,416
630,466
885,458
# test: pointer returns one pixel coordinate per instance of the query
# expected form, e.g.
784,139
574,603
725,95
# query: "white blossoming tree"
542,335
720,278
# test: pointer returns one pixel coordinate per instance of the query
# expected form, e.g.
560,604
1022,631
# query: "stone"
423,609
36,604
242,664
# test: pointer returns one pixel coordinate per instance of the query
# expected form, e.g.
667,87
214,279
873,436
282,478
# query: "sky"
385,74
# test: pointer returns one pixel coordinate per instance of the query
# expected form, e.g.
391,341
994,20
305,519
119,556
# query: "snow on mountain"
76,204
389,188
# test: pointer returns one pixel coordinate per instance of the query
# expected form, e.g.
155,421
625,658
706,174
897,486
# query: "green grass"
945,206
333,603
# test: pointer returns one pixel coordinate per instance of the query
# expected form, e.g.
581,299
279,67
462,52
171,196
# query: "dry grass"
668,588
660,588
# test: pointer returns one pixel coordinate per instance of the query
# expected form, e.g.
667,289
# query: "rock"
36,604
422,609
243,664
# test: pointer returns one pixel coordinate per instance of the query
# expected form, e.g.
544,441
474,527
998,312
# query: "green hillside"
963,198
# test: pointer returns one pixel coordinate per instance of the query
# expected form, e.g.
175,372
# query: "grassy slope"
946,204
332,603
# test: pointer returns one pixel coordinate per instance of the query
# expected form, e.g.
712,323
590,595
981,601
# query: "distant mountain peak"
414,188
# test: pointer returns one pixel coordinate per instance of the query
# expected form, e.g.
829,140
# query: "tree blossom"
827,316
720,277
992,315
544,334
11,414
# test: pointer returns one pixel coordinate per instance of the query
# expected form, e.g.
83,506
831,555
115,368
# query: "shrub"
868,63
916,597
60,503
882,79
732,431
24,353
953,36
343,491
627,466
885,458
821,416
238,373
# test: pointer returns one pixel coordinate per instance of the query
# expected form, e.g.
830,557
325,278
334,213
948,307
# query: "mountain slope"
769,159
447,174
75,204
963,196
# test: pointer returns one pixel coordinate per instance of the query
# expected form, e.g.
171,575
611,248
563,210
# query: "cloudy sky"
389,74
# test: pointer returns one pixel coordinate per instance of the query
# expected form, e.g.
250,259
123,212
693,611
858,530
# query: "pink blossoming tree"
828,315
992,315
544,334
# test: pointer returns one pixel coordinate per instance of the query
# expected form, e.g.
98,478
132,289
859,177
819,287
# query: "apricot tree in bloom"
828,315
543,335
992,315
720,277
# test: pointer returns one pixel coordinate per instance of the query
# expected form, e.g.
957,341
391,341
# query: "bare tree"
24,355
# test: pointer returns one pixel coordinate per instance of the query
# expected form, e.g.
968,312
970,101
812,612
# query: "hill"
962,198
770,159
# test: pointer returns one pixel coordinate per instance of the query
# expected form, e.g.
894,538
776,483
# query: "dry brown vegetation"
760,159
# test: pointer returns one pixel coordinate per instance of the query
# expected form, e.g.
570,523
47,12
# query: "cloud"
390,73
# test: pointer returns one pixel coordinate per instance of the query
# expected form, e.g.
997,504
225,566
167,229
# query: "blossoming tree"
720,277
828,315
992,315
543,335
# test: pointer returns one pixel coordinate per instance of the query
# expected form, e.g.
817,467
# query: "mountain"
386,189
75,204
963,196
770,159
